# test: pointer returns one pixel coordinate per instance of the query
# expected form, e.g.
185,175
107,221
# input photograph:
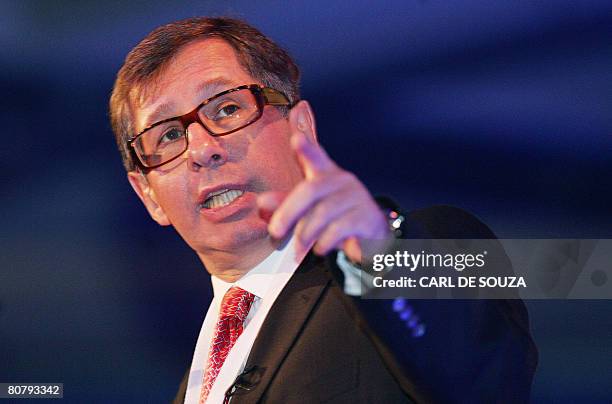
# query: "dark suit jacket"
319,345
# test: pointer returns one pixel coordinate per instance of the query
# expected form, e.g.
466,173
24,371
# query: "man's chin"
239,237
241,250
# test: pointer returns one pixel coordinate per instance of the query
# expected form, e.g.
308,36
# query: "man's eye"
171,135
226,111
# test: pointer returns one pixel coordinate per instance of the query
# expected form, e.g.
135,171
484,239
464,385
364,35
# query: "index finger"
312,158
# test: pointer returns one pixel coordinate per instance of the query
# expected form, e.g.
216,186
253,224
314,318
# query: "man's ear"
146,194
301,118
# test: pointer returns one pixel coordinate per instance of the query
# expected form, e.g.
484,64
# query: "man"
218,144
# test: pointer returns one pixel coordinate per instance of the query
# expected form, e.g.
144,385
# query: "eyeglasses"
221,114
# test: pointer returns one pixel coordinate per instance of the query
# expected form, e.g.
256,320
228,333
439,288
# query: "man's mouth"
220,198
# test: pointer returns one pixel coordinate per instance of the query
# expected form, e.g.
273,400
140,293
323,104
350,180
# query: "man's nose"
204,149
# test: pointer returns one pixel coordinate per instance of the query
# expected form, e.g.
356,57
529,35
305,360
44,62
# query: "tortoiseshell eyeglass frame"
263,96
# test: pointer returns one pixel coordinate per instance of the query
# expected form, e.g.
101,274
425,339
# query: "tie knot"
236,303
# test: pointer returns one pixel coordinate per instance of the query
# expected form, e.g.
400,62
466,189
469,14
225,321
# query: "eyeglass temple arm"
274,97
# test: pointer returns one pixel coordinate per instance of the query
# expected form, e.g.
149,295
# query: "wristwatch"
394,216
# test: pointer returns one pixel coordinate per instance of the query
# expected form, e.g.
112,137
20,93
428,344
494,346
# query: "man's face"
250,161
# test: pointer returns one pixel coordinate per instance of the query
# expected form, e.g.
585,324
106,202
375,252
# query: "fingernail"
274,230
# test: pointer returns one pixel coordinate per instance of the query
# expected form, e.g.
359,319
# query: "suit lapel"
282,325
182,390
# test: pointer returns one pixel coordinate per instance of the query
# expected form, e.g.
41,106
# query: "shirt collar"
257,280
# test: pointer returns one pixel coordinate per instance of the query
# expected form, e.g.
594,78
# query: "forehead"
199,70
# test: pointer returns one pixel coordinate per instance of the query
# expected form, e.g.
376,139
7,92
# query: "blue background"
501,108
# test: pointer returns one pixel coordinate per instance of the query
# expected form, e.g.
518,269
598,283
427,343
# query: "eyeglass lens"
222,114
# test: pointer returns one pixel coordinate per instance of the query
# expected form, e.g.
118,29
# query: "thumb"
310,156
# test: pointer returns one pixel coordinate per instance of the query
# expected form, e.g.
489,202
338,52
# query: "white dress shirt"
265,281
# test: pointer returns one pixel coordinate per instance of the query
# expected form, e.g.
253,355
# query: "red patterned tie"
234,309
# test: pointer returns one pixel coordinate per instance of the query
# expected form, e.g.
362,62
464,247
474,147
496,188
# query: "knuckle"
347,178
334,230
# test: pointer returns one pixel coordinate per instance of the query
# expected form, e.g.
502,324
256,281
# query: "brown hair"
258,55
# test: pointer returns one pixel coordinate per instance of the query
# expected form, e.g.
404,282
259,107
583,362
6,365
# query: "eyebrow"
211,87
205,89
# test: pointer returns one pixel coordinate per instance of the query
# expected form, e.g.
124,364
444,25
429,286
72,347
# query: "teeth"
221,198
219,192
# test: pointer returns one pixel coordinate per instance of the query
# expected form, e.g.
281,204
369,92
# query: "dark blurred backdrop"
502,108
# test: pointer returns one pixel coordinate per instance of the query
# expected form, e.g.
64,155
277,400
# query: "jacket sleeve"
476,351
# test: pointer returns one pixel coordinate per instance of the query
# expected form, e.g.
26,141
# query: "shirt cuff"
355,280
